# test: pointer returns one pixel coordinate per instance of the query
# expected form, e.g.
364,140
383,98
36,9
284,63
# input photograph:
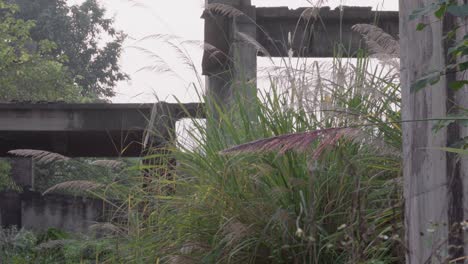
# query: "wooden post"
436,183
234,66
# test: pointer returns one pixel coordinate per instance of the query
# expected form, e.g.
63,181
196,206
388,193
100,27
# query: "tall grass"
323,201
342,206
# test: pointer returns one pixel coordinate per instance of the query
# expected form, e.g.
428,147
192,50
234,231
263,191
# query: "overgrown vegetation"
332,196
51,246
6,183
342,205
51,52
324,188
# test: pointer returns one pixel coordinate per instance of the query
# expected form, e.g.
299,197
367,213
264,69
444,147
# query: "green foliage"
459,10
87,40
462,152
458,50
28,70
14,35
52,246
38,79
16,246
6,182
49,175
437,7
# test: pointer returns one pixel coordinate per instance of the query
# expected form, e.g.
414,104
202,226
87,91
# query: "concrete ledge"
89,130
319,37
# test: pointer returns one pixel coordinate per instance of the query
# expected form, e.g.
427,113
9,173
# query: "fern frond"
39,156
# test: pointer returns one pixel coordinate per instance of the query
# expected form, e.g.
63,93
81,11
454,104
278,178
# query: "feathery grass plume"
192,247
159,65
310,13
40,156
53,244
234,232
378,40
111,164
181,260
107,228
252,41
205,46
159,37
73,186
296,141
224,10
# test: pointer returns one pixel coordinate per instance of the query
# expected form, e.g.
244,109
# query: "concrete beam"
317,36
89,130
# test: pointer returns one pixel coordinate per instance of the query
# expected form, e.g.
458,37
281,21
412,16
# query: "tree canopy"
28,70
86,39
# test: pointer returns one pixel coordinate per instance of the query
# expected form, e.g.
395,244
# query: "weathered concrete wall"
69,213
33,211
10,209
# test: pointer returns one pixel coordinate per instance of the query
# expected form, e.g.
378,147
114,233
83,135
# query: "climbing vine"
459,49
456,54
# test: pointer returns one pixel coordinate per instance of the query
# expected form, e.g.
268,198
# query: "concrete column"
233,66
435,182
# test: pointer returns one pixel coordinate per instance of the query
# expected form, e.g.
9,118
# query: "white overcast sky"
143,18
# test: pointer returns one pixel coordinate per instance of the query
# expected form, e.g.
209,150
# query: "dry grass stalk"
40,156
53,244
224,10
107,228
378,41
193,247
75,186
310,13
181,260
296,142
234,231
252,41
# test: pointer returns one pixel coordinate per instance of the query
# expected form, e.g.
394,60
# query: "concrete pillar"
435,182
232,67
